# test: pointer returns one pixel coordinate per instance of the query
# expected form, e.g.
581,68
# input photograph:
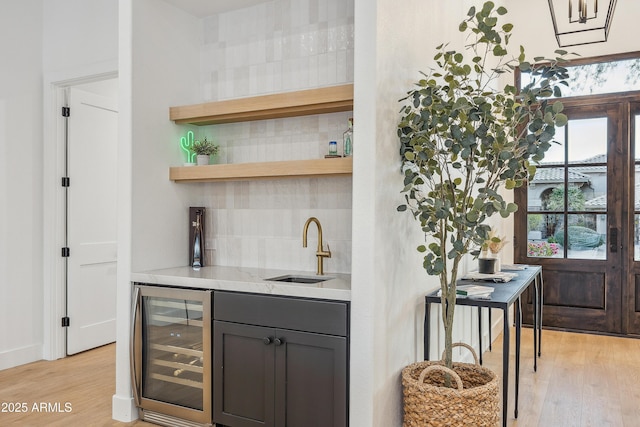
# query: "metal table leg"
536,302
427,310
480,334
540,307
518,314
505,366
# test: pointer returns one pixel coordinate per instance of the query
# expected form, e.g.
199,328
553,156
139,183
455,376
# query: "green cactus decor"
186,143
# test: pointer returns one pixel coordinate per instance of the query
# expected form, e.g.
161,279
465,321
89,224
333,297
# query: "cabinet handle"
266,340
278,341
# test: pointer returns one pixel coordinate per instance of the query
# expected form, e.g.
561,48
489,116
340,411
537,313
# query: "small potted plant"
204,150
490,250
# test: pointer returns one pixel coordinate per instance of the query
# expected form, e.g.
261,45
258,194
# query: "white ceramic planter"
202,159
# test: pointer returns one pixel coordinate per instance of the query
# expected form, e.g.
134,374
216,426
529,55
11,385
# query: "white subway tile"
273,47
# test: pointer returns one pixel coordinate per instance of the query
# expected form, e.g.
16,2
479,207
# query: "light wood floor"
582,380
86,381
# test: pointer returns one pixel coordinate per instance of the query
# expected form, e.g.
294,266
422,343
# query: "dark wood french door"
579,219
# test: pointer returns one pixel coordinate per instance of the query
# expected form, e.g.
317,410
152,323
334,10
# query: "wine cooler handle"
133,347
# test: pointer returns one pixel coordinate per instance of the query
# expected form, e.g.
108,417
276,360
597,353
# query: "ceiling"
202,8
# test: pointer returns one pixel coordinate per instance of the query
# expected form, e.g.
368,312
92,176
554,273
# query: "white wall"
55,37
21,162
166,72
79,34
388,281
159,65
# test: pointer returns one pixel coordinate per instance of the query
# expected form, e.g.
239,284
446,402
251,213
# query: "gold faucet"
320,253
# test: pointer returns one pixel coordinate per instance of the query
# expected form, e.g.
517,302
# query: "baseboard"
20,356
123,408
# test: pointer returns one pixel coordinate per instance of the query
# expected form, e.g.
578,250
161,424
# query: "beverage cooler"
171,355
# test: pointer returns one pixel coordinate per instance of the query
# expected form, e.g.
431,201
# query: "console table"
504,296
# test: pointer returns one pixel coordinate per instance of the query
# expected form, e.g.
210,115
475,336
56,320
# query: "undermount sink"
292,278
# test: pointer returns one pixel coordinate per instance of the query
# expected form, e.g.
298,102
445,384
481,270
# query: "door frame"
622,101
53,231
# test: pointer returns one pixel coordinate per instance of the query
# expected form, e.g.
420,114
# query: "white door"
91,220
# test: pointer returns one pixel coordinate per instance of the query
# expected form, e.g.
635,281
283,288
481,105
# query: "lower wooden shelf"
263,170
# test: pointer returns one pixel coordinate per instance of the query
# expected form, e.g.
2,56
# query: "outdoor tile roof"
557,175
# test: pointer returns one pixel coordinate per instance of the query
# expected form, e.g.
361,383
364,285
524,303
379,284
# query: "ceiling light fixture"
582,22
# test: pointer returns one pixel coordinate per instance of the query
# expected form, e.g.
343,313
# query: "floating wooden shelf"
263,170
289,104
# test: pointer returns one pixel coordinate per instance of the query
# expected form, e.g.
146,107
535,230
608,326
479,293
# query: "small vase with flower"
490,250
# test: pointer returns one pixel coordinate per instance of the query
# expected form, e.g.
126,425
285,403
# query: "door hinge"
66,181
65,252
66,111
65,322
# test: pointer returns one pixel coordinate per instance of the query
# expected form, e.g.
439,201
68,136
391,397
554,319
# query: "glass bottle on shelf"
333,148
347,140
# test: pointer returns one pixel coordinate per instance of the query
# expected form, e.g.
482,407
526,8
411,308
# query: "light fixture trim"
589,26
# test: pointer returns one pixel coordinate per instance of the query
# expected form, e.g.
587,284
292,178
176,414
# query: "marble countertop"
244,279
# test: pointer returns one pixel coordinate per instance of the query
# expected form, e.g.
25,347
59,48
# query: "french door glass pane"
541,236
555,155
636,138
586,236
587,190
587,140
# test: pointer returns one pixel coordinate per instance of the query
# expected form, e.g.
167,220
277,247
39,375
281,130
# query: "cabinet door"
311,380
243,375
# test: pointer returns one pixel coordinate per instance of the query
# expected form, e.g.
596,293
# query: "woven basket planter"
475,400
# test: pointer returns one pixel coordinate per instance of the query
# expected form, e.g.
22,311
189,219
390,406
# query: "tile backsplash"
277,46
260,223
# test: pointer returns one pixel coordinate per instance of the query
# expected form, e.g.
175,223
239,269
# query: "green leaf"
438,266
557,107
435,248
561,120
421,248
472,216
510,184
512,207
499,51
507,28
463,26
402,208
409,155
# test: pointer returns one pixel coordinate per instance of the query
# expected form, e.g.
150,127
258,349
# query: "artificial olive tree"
462,140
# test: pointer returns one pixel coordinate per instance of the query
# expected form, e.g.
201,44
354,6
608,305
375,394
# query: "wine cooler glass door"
175,368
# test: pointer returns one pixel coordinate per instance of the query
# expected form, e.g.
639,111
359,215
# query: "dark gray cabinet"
280,361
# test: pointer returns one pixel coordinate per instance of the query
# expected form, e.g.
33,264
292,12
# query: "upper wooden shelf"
289,104
263,170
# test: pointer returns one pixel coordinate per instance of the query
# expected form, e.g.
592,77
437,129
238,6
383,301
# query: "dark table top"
504,294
